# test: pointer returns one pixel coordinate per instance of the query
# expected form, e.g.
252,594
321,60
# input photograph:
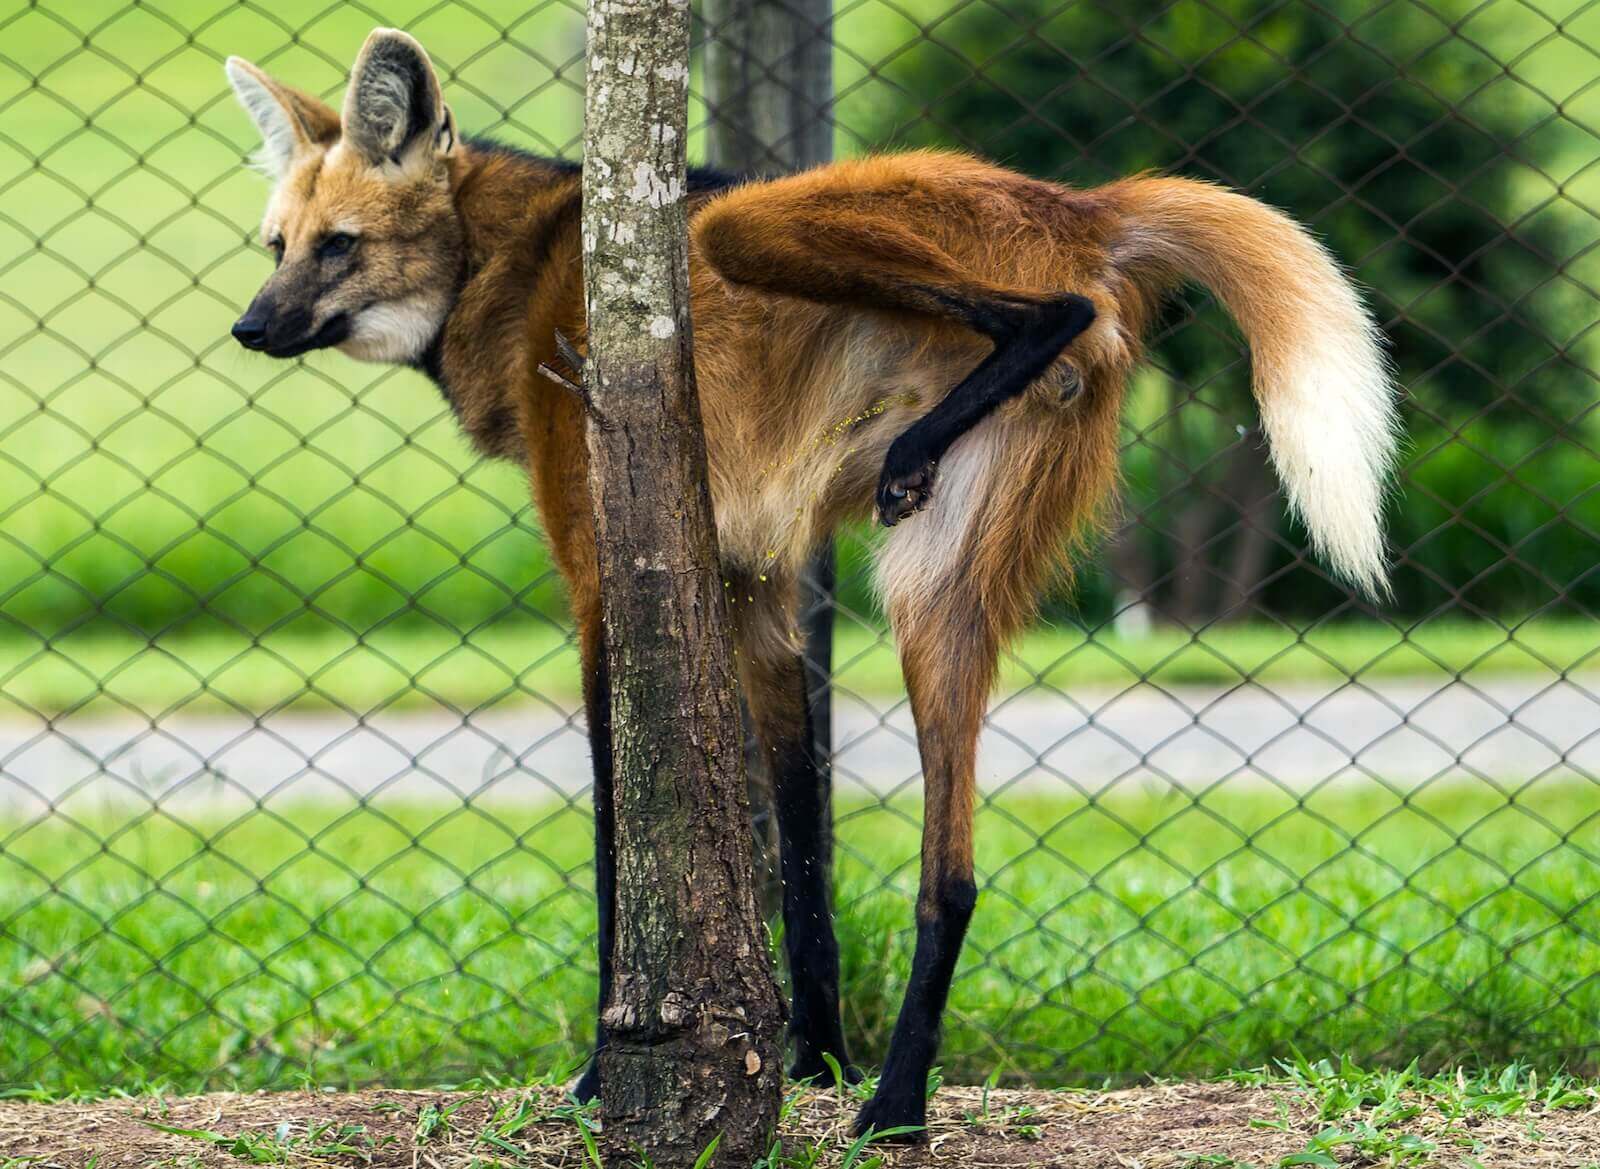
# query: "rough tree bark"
1250,488
769,91
694,1023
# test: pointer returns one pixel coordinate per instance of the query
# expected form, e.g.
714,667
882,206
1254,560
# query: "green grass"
1137,934
1373,1114
322,667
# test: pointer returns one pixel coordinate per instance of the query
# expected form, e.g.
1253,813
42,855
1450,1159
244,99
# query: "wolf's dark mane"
702,179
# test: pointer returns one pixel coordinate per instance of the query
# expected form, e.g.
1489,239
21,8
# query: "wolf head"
361,220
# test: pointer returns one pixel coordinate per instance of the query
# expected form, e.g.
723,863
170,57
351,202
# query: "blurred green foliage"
153,478
1444,150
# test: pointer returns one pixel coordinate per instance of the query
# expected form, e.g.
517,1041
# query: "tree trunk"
1251,490
769,90
769,84
693,1019
1196,517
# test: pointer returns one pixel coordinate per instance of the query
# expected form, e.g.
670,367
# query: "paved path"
1401,731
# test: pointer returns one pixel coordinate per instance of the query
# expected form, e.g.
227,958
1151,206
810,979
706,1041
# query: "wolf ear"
289,121
394,109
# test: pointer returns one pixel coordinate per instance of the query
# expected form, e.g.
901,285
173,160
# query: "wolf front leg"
597,712
774,679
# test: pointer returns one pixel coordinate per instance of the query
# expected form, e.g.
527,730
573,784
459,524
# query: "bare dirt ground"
1164,1127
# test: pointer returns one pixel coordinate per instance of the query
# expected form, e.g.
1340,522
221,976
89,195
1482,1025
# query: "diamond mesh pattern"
292,773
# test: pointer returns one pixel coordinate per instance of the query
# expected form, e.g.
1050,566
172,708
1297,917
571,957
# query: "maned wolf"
924,335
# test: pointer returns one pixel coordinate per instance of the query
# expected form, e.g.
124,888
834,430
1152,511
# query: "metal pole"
769,87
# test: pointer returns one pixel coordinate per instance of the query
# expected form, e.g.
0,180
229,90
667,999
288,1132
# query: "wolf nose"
250,331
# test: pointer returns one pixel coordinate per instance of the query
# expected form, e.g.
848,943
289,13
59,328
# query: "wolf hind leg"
866,252
947,651
773,674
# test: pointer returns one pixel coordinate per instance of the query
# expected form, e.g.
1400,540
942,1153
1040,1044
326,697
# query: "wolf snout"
250,330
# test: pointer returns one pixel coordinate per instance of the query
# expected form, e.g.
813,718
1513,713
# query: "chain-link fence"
292,777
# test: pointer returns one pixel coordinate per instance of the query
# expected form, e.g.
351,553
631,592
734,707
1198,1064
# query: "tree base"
735,1089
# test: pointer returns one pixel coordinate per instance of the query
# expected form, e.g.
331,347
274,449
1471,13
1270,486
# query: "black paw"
906,483
809,1065
893,1110
588,1086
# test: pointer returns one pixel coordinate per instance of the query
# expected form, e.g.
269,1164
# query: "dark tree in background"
769,99
768,84
1440,180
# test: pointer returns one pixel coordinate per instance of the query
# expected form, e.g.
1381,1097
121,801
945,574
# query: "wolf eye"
276,244
337,244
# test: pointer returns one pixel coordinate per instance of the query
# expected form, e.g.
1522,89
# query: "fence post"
693,1018
769,84
769,91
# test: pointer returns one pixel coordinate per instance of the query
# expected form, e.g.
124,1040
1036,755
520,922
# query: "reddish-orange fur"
831,311
765,359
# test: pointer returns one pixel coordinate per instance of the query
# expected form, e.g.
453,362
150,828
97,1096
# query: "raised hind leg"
862,248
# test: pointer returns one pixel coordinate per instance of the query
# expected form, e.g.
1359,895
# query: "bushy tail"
1320,376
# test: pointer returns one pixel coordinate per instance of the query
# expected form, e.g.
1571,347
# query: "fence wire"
292,774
